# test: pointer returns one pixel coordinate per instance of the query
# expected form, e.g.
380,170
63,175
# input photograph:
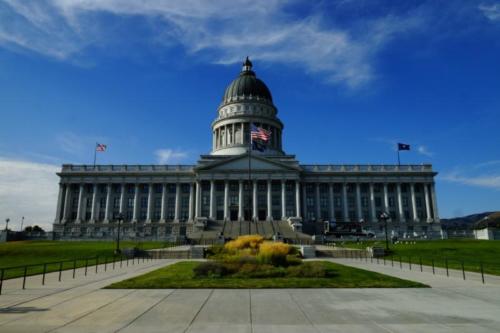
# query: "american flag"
100,147
258,133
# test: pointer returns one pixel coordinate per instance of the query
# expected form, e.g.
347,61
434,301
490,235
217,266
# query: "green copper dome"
247,85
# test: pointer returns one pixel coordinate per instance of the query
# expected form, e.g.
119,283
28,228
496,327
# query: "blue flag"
403,146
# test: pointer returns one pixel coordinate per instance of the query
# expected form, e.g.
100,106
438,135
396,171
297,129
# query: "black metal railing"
465,267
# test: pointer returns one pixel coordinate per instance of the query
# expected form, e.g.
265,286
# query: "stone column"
198,199
331,207
212,200
401,214
163,212
122,199
318,202
240,200
108,203
80,204
358,202
226,200
344,202
136,203
283,200
434,203
177,201
297,198
304,200
372,204
269,202
386,199
427,203
192,201
93,211
413,203
67,203
254,194
59,204
149,213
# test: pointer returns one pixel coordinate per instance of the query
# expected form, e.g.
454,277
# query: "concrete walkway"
81,306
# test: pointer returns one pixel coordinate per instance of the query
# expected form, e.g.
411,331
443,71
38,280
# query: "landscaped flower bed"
252,262
252,257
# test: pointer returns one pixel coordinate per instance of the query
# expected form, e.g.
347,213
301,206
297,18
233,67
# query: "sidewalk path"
81,306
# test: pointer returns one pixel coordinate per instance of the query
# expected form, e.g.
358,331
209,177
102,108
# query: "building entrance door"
233,214
262,214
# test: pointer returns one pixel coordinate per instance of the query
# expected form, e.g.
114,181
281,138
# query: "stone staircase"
234,229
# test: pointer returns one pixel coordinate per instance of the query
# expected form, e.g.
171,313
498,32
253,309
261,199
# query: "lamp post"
22,223
384,217
119,218
7,220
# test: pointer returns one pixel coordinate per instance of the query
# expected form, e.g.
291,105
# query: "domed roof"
247,85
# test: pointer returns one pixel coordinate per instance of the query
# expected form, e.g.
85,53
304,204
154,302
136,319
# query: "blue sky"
350,79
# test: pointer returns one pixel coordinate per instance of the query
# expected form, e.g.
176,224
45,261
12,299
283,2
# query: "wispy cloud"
487,164
485,181
28,189
491,11
80,147
220,31
166,156
423,150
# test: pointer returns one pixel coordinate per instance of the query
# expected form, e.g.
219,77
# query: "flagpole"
399,161
95,153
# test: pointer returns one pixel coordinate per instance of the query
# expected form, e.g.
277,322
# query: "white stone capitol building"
218,195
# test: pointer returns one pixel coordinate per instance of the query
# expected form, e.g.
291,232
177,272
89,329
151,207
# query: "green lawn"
38,252
180,275
471,252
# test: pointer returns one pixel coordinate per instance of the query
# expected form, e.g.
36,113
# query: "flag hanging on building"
260,138
100,147
403,146
258,133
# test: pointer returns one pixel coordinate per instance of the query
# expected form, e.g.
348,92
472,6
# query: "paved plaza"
80,305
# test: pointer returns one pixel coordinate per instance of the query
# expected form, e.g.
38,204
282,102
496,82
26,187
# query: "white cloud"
170,156
491,11
487,164
220,31
28,189
486,181
423,150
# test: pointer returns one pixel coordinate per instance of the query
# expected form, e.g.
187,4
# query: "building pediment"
240,163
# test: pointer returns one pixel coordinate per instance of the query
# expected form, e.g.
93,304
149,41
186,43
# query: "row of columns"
429,196
63,206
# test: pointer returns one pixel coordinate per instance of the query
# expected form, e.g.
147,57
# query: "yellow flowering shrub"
274,249
244,242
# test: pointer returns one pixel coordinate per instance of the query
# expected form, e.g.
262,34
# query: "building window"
116,203
364,201
391,202
419,202
378,202
144,202
157,202
102,203
130,202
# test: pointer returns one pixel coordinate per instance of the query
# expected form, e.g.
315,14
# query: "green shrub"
293,260
211,269
215,251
